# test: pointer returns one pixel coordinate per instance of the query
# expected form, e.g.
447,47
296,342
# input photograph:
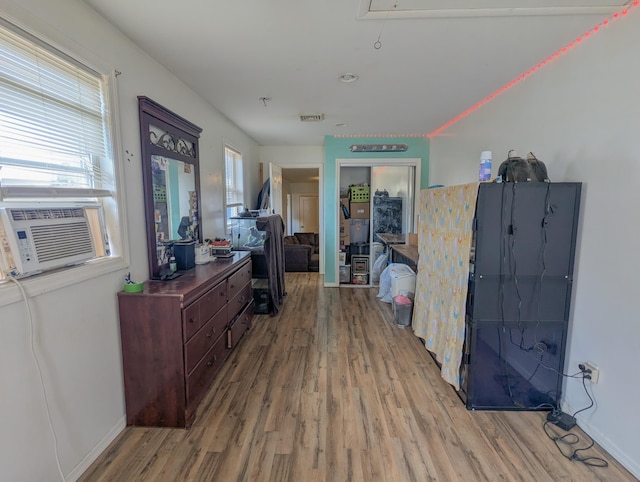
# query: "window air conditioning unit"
37,239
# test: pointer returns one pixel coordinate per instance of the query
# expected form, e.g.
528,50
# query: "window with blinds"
54,128
55,150
234,185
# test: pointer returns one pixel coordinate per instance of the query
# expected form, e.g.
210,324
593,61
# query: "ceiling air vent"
311,117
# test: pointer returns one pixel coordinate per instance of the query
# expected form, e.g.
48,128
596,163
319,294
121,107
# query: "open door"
275,189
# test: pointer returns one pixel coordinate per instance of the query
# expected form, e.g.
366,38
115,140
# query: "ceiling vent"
311,117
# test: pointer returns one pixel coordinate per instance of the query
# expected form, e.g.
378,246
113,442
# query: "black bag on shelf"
517,169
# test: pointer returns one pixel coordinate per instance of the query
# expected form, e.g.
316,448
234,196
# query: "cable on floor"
571,439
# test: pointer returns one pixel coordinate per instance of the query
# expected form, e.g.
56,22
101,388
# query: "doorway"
302,187
389,207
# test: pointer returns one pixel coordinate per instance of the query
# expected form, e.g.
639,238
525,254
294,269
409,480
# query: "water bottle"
485,166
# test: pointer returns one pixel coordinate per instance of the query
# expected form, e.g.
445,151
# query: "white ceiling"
428,69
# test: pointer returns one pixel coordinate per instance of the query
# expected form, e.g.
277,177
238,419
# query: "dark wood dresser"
176,336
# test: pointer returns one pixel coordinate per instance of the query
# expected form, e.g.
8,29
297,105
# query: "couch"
302,252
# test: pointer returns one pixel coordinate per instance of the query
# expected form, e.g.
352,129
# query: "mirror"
171,181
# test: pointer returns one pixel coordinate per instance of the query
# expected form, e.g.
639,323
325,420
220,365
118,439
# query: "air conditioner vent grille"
49,213
311,117
59,241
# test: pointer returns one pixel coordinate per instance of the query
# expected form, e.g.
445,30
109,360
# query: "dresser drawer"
200,379
200,311
213,300
239,326
191,319
239,279
198,345
239,301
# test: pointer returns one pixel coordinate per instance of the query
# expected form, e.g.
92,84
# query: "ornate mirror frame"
167,139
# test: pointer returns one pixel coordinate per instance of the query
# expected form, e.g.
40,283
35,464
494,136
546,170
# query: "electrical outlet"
590,371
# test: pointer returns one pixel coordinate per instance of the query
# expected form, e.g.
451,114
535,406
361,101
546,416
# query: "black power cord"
536,349
570,440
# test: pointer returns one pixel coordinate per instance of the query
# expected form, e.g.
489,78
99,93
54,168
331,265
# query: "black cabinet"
519,295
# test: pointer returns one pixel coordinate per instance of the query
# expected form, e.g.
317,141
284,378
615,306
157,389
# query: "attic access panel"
476,8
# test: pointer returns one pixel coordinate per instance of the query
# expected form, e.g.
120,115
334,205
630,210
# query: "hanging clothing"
274,257
263,196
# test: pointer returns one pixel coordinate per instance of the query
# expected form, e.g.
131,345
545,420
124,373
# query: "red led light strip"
362,136
521,77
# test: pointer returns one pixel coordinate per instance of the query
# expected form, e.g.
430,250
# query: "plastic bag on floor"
384,292
378,266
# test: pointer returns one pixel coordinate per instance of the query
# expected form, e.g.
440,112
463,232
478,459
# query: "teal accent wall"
338,148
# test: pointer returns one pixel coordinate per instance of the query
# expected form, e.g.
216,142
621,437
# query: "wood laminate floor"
332,390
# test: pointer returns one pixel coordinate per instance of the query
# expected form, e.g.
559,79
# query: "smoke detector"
311,117
348,77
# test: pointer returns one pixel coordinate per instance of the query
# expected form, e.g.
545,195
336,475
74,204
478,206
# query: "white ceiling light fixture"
378,148
348,77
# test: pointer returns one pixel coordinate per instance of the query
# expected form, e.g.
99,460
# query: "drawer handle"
192,320
211,332
212,361
241,300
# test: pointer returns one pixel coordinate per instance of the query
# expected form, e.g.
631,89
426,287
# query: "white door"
275,189
308,213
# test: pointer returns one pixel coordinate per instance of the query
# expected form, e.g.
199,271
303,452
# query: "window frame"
238,161
112,200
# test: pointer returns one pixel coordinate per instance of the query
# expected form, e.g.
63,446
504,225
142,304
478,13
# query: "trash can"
403,279
403,309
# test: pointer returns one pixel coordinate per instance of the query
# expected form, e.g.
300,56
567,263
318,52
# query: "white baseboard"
602,440
91,457
631,465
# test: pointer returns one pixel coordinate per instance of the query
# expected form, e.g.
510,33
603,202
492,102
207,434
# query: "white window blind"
54,129
234,185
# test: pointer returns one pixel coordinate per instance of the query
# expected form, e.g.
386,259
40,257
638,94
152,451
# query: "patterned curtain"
444,239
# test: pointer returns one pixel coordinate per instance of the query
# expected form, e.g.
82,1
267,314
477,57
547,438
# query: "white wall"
581,116
292,156
77,327
354,175
303,188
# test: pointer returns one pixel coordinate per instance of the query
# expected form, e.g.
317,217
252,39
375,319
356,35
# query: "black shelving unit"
519,295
